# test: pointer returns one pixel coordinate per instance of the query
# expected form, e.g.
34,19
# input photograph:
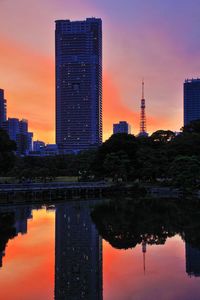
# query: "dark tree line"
161,157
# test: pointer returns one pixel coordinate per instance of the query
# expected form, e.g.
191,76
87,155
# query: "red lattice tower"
143,115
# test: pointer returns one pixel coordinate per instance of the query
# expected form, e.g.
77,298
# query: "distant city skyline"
140,39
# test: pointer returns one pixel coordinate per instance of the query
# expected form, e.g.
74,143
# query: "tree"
163,136
184,172
117,143
192,127
7,156
117,165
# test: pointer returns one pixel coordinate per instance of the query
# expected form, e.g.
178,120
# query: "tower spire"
143,88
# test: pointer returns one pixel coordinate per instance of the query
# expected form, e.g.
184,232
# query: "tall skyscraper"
3,108
191,100
121,127
78,84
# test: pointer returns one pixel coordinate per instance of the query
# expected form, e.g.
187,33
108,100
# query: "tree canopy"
7,157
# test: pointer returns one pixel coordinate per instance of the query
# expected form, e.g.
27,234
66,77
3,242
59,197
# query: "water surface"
57,253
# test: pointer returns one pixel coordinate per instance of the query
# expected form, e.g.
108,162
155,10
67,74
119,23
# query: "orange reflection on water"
28,266
165,274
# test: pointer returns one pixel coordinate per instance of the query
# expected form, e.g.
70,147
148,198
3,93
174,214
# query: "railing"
51,186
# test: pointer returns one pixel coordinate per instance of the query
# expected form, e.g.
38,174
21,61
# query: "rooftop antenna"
143,88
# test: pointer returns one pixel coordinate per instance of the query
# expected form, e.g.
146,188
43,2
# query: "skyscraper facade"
191,100
78,84
3,108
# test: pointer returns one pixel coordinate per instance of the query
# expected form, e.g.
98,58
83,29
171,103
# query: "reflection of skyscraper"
192,260
22,214
78,271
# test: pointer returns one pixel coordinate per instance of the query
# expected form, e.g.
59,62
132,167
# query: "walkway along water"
27,192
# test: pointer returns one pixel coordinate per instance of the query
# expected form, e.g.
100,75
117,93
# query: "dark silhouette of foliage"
128,222
7,157
123,157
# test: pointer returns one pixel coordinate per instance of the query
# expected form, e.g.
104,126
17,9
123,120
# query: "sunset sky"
158,40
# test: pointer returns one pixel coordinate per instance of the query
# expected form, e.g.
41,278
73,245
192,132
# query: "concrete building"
51,150
3,108
191,100
78,84
40,149
38,146
30,141
121,127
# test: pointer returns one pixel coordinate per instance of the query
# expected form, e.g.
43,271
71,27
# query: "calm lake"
88,250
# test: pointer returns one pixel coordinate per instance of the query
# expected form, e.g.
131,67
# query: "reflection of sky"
28,265
158,40
28,268
165,277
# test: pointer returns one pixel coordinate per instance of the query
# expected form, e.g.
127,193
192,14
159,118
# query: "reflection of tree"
13,220
7,231
126,223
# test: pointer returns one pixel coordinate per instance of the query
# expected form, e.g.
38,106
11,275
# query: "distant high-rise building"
191,100
13,128
78,84
38,146
23,125
121,127
3,108
30,141
18,132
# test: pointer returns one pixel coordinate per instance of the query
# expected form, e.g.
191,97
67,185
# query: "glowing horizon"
139,40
